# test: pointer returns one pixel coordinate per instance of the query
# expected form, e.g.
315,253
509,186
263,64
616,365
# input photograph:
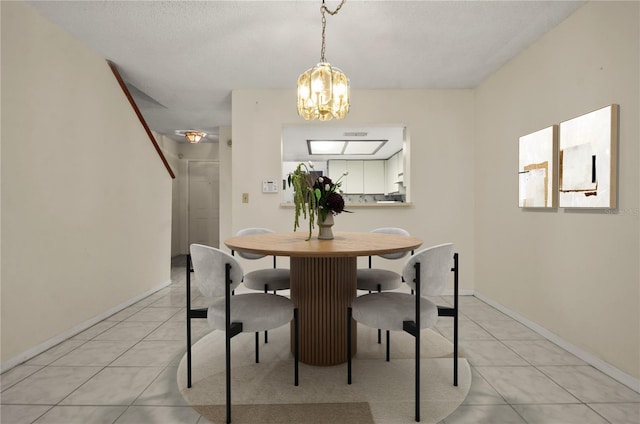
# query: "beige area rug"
381,392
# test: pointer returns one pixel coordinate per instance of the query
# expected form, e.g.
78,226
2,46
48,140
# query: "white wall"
573,272
86,201
441,124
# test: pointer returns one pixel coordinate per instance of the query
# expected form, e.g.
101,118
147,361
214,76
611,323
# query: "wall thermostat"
269,186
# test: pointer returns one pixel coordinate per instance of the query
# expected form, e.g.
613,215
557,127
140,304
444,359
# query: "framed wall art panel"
537,165
588,160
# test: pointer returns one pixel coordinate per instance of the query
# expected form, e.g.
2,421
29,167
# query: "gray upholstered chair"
427,273
217,274
266,279
377,279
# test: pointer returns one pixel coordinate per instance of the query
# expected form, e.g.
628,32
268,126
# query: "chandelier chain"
324,9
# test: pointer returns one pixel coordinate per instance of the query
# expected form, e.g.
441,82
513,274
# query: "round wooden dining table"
323,282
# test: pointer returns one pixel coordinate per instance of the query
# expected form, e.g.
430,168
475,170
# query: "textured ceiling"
182,59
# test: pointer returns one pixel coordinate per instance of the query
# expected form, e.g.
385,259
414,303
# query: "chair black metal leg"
231,329
191,314
266,337
455,351
188,284
379,330
418,374
296,348
388,345
228,373
448,311
349,315
417,337
188,352
227,334
257,348
455,319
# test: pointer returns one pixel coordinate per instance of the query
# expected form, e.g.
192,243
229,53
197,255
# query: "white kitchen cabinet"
392,174
364,176
335,170
355,185
374,180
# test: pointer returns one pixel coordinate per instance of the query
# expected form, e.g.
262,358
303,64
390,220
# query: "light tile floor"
123,370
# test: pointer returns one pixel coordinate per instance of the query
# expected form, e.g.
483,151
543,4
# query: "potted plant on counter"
318,197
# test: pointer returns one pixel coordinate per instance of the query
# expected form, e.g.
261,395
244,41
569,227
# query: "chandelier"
194,137
323,91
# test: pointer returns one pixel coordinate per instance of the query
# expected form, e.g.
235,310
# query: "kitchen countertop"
365,205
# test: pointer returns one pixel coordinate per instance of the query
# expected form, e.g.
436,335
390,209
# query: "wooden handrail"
127,93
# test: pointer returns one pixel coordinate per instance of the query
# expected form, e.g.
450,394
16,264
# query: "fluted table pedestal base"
322,289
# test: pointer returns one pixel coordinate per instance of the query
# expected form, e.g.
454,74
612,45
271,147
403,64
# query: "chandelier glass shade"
194,137
323,91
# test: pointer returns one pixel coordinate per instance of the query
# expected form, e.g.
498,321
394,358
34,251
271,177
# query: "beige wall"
225,150
86,201
573,272
441,125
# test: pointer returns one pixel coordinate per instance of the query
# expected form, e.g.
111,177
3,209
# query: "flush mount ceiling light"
344,147
323,91
325,147
364,147
194,137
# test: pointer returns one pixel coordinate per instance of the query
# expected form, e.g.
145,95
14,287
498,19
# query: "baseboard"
610,370
36,350
465,292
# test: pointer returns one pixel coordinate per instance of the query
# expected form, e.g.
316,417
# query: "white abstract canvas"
537,169
588,154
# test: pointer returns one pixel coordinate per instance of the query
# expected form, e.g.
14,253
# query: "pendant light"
323,91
